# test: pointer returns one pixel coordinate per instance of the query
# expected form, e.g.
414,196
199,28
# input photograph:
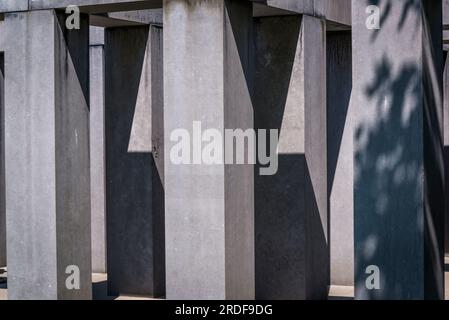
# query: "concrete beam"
292,255
13,5
337,11
134,153
127,18
398,147
209,208
87,6
47,156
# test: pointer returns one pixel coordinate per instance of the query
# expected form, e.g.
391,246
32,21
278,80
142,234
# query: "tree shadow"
398,183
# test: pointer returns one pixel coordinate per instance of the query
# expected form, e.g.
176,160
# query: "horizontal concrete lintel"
13,5
337,11
127,18
88,6
108,22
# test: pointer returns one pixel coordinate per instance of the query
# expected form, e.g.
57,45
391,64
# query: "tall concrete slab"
446,149
398,156
292,254
340,157
47,157
2,165
209,220
134,165
97,150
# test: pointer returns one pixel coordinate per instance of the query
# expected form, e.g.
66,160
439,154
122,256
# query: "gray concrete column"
47,156
2,165
340,152
209,208
134,161
97,150
446,149
398,146
292,254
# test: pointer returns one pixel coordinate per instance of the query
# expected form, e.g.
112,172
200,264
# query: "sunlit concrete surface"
99,288
341,293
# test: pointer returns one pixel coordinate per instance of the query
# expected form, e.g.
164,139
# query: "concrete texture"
446,150
127,18
97,150
209,208
340,152
47,156
13,5
96,37
399,178
97,6
292,257
134,189
2,165
338,11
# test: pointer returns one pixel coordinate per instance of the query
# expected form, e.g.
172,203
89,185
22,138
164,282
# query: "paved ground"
99,288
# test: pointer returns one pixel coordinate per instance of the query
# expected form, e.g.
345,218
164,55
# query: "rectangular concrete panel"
134,187
340,157
2,165
446,150
47,157
209,219
292,258
97,151
398,156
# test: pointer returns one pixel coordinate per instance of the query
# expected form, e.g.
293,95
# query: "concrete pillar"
209,208
2,165
340,152
134,166
47,156
97,150
292,254
398,146
446,149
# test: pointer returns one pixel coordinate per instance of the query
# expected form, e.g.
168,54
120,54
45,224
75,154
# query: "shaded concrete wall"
47,156
209,208
398,141
446,149
292,257
97,150
340,157
134,172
